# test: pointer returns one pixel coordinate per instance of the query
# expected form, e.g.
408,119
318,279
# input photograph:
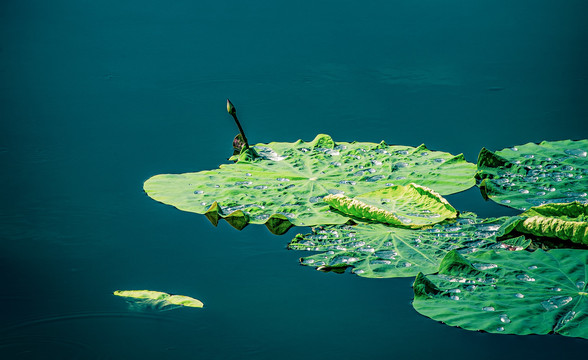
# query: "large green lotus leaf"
564,221
509,292
381,251
412,206
286,182
535,174
157,300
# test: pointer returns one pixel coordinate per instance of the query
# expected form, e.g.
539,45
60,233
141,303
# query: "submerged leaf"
509,292
284,184
380,251
535,174
411,206
158,299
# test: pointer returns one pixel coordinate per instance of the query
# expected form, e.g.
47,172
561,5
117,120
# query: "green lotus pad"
381,251
284,184
160,298
509,292
411,206
564,221
535,174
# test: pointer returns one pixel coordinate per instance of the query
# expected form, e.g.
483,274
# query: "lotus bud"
231,108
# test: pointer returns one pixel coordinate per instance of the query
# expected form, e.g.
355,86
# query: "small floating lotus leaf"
509,292
535,174
564,221
159,299
285,183
411,206
381,251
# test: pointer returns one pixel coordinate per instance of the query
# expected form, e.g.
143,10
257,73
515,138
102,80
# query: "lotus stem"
231,110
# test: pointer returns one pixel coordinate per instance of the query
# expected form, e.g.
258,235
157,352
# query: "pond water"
96,97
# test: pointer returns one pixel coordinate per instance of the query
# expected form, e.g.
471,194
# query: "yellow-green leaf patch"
410,206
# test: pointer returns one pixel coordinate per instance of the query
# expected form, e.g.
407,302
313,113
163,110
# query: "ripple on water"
45,347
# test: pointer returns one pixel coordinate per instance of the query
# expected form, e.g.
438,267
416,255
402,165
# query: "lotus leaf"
535,174
509,292
141,299
564,221
411,206
284,183
381,251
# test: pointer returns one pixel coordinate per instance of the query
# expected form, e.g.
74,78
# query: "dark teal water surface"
97,96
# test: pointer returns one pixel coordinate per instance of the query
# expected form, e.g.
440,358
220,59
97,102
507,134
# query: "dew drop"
483,267
525,277
454,297
519,295
555,289
308,261
524,191
529,156
555,302
439,160
540,193
565,319
504,318
198,192
581,285
500,328
375,178
260,187
488,308
347,182
283,179
238,183
380,262
404,220
532,267
384,254
576,152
